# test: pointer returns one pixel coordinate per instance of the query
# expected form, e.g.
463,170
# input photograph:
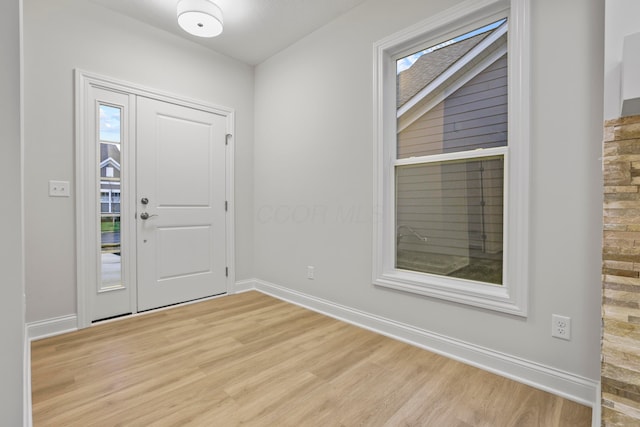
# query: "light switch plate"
59,189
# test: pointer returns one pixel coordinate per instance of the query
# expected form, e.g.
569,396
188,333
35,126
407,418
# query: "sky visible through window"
406,62
110,123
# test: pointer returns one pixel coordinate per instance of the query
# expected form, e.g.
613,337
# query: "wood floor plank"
253,360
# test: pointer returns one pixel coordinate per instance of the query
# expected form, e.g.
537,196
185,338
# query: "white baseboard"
244,286
596,419
561,383
50,327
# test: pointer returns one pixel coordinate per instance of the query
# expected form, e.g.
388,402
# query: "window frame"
512,296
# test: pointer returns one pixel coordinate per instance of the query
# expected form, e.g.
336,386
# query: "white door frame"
86,271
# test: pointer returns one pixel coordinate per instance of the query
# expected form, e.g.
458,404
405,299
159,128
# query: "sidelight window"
109,141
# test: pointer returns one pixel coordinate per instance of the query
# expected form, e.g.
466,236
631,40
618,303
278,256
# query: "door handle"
145,215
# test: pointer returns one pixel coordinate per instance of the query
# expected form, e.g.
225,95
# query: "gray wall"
61,35
11,258
314,179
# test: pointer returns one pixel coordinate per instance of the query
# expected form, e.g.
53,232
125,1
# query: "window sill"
477,294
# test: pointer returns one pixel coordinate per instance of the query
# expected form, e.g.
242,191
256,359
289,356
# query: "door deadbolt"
144,201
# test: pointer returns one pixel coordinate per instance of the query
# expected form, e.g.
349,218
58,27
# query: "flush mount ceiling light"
201,18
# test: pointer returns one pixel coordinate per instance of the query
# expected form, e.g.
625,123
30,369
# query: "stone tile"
618,343
623,158
630,378
616,227
624,235
609,134
611,256
621,189
614,418
621,303
617,173
622,329
620,287
621,273
622,121
624,405
621,314
610,150
623,217
629,146
619,265
622,207
610,197
615,253
619,243
629,130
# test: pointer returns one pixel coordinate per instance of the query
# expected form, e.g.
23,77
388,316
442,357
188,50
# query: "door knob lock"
145,215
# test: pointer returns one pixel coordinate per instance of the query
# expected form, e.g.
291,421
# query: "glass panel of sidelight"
110,138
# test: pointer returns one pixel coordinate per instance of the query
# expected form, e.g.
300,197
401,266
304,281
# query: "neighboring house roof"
110,151
437,74
110,162
431,65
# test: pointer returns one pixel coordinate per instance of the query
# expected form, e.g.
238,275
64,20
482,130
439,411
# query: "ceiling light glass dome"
201,18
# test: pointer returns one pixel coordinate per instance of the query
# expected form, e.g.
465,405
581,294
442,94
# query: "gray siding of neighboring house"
444,201
110,151
110,182
431,199
115,171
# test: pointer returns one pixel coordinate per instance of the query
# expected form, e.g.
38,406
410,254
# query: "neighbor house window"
452,176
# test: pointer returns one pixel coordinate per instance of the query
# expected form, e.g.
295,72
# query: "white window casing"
511,296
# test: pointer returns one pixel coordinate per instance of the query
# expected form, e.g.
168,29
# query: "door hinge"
226,139
226,206
226,271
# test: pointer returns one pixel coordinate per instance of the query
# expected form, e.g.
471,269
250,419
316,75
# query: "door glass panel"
110,137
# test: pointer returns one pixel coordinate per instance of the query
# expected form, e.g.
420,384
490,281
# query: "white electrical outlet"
561,327
310,272
59,189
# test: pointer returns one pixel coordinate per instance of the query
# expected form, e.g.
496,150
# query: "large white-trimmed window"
452,163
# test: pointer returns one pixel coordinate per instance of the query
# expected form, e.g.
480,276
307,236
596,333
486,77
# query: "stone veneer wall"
621,274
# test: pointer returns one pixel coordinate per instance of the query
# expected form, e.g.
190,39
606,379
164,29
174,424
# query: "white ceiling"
253,29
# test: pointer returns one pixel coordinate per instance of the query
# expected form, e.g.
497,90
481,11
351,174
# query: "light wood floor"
253,360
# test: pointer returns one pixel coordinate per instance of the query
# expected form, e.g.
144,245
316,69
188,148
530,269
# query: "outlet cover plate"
59,189
561,327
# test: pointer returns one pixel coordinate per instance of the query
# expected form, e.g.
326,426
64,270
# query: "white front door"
180,204
152,179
